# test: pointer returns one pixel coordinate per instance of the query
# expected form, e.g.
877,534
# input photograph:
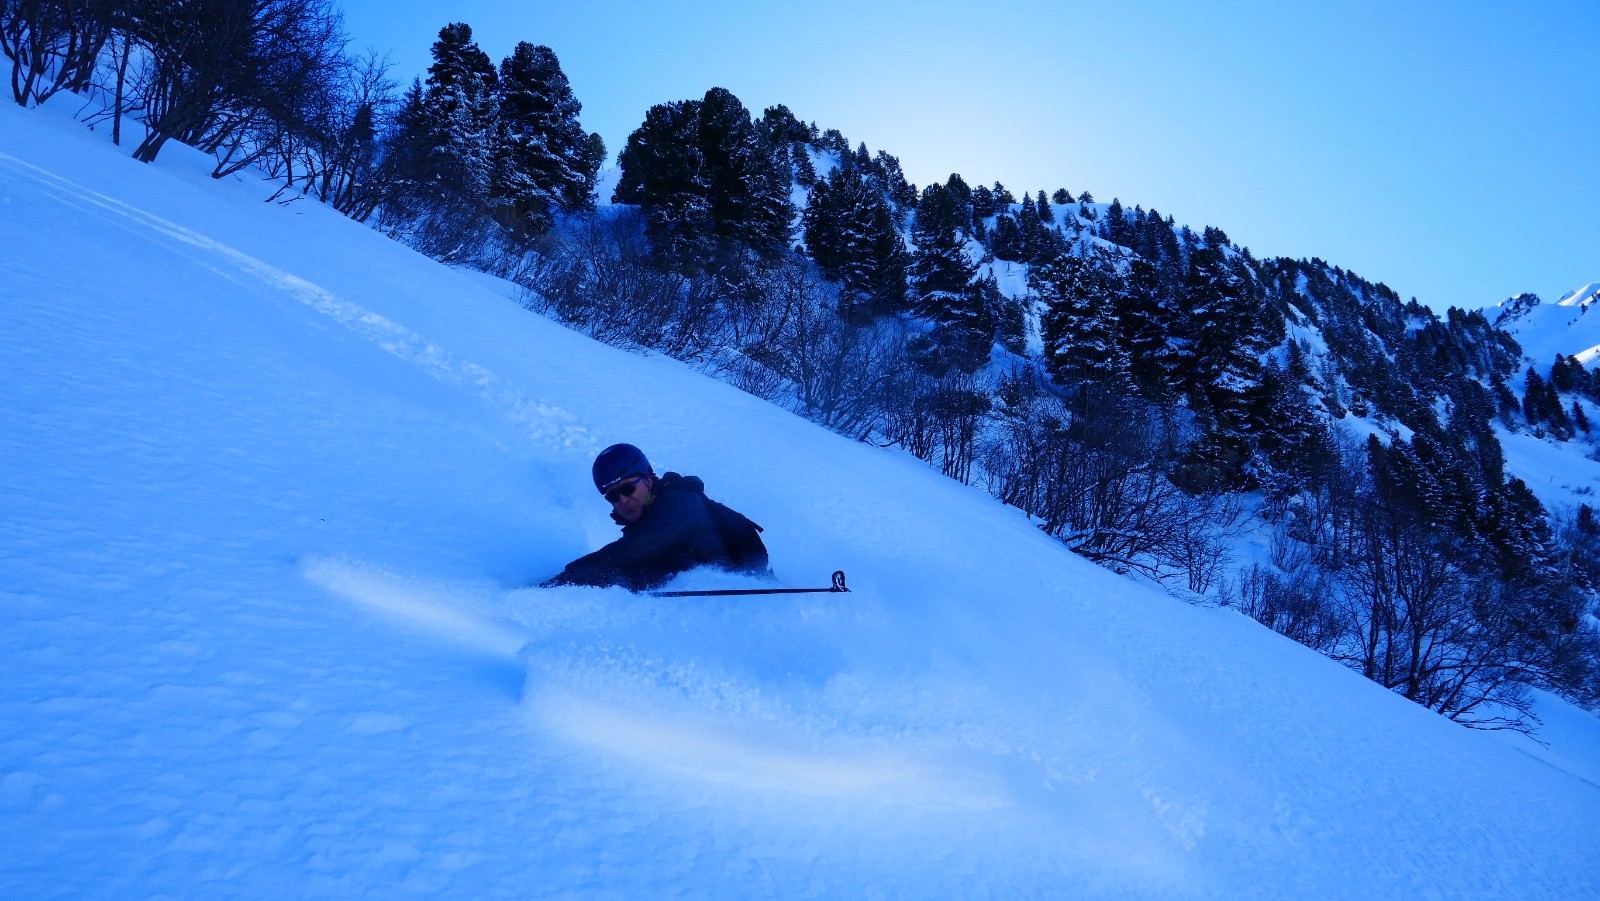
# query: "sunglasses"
623,490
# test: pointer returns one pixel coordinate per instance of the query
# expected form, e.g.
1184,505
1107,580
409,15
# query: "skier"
668,526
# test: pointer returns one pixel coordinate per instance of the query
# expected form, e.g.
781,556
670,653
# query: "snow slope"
264,476
1546,329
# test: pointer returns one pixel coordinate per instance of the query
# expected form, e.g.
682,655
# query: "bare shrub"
52,44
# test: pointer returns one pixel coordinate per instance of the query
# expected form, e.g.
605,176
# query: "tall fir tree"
542,161
458,111
1227,329
1147,329
708,182
1079,320
850,232
1047,215
945,289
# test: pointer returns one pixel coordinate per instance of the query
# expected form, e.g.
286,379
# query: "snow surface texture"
264,477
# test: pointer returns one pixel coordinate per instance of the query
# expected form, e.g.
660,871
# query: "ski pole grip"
838,581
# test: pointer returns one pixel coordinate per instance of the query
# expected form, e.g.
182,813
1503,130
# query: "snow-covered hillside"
266,476
1543,330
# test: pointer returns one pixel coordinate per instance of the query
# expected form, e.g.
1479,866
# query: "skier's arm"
642,557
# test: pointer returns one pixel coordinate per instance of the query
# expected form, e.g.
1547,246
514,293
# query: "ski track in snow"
613,706
544,422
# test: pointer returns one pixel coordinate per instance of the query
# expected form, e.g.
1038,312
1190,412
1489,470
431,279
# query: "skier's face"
629,498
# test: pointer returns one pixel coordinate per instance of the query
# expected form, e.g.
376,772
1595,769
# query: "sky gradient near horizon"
1449,150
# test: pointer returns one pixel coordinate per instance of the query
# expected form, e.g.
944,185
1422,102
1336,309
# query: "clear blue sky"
1449,149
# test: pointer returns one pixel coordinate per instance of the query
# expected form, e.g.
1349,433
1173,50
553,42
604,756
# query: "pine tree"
1147,329
944,288
1114,227
850,232
780,126
1517,527
1046,214
1028,228
1226,330
458,111
961,201
893,179
1559,421
1079,321
1291,436
1534,398
408,153
805,173
710,186
1005,240
543,160
983,203
1561,374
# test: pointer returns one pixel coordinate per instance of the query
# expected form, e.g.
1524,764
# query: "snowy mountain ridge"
1544,330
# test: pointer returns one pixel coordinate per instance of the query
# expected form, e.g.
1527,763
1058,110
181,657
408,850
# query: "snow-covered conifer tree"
850,232
458,110
542,159
1079,322
944,288
708,182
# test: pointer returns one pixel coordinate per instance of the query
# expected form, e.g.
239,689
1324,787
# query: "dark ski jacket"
679,530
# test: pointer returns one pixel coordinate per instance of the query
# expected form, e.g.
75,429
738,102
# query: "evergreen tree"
983,203
1226,326
708,183
1079,320
1293,439
961,201
408,158
1028,228
1005,240
850,232
805,173
1147,328
543,160
779,126
1506,405
1535,398
944,288
1559,421
1561,374
1224,332
1046,214
458,112
893,179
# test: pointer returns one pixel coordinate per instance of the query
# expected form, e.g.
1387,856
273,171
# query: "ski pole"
838,585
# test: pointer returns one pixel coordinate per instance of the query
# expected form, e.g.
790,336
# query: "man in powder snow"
668,526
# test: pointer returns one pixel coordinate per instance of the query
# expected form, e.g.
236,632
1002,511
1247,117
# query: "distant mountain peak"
1582,297
1514,308
1544,330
